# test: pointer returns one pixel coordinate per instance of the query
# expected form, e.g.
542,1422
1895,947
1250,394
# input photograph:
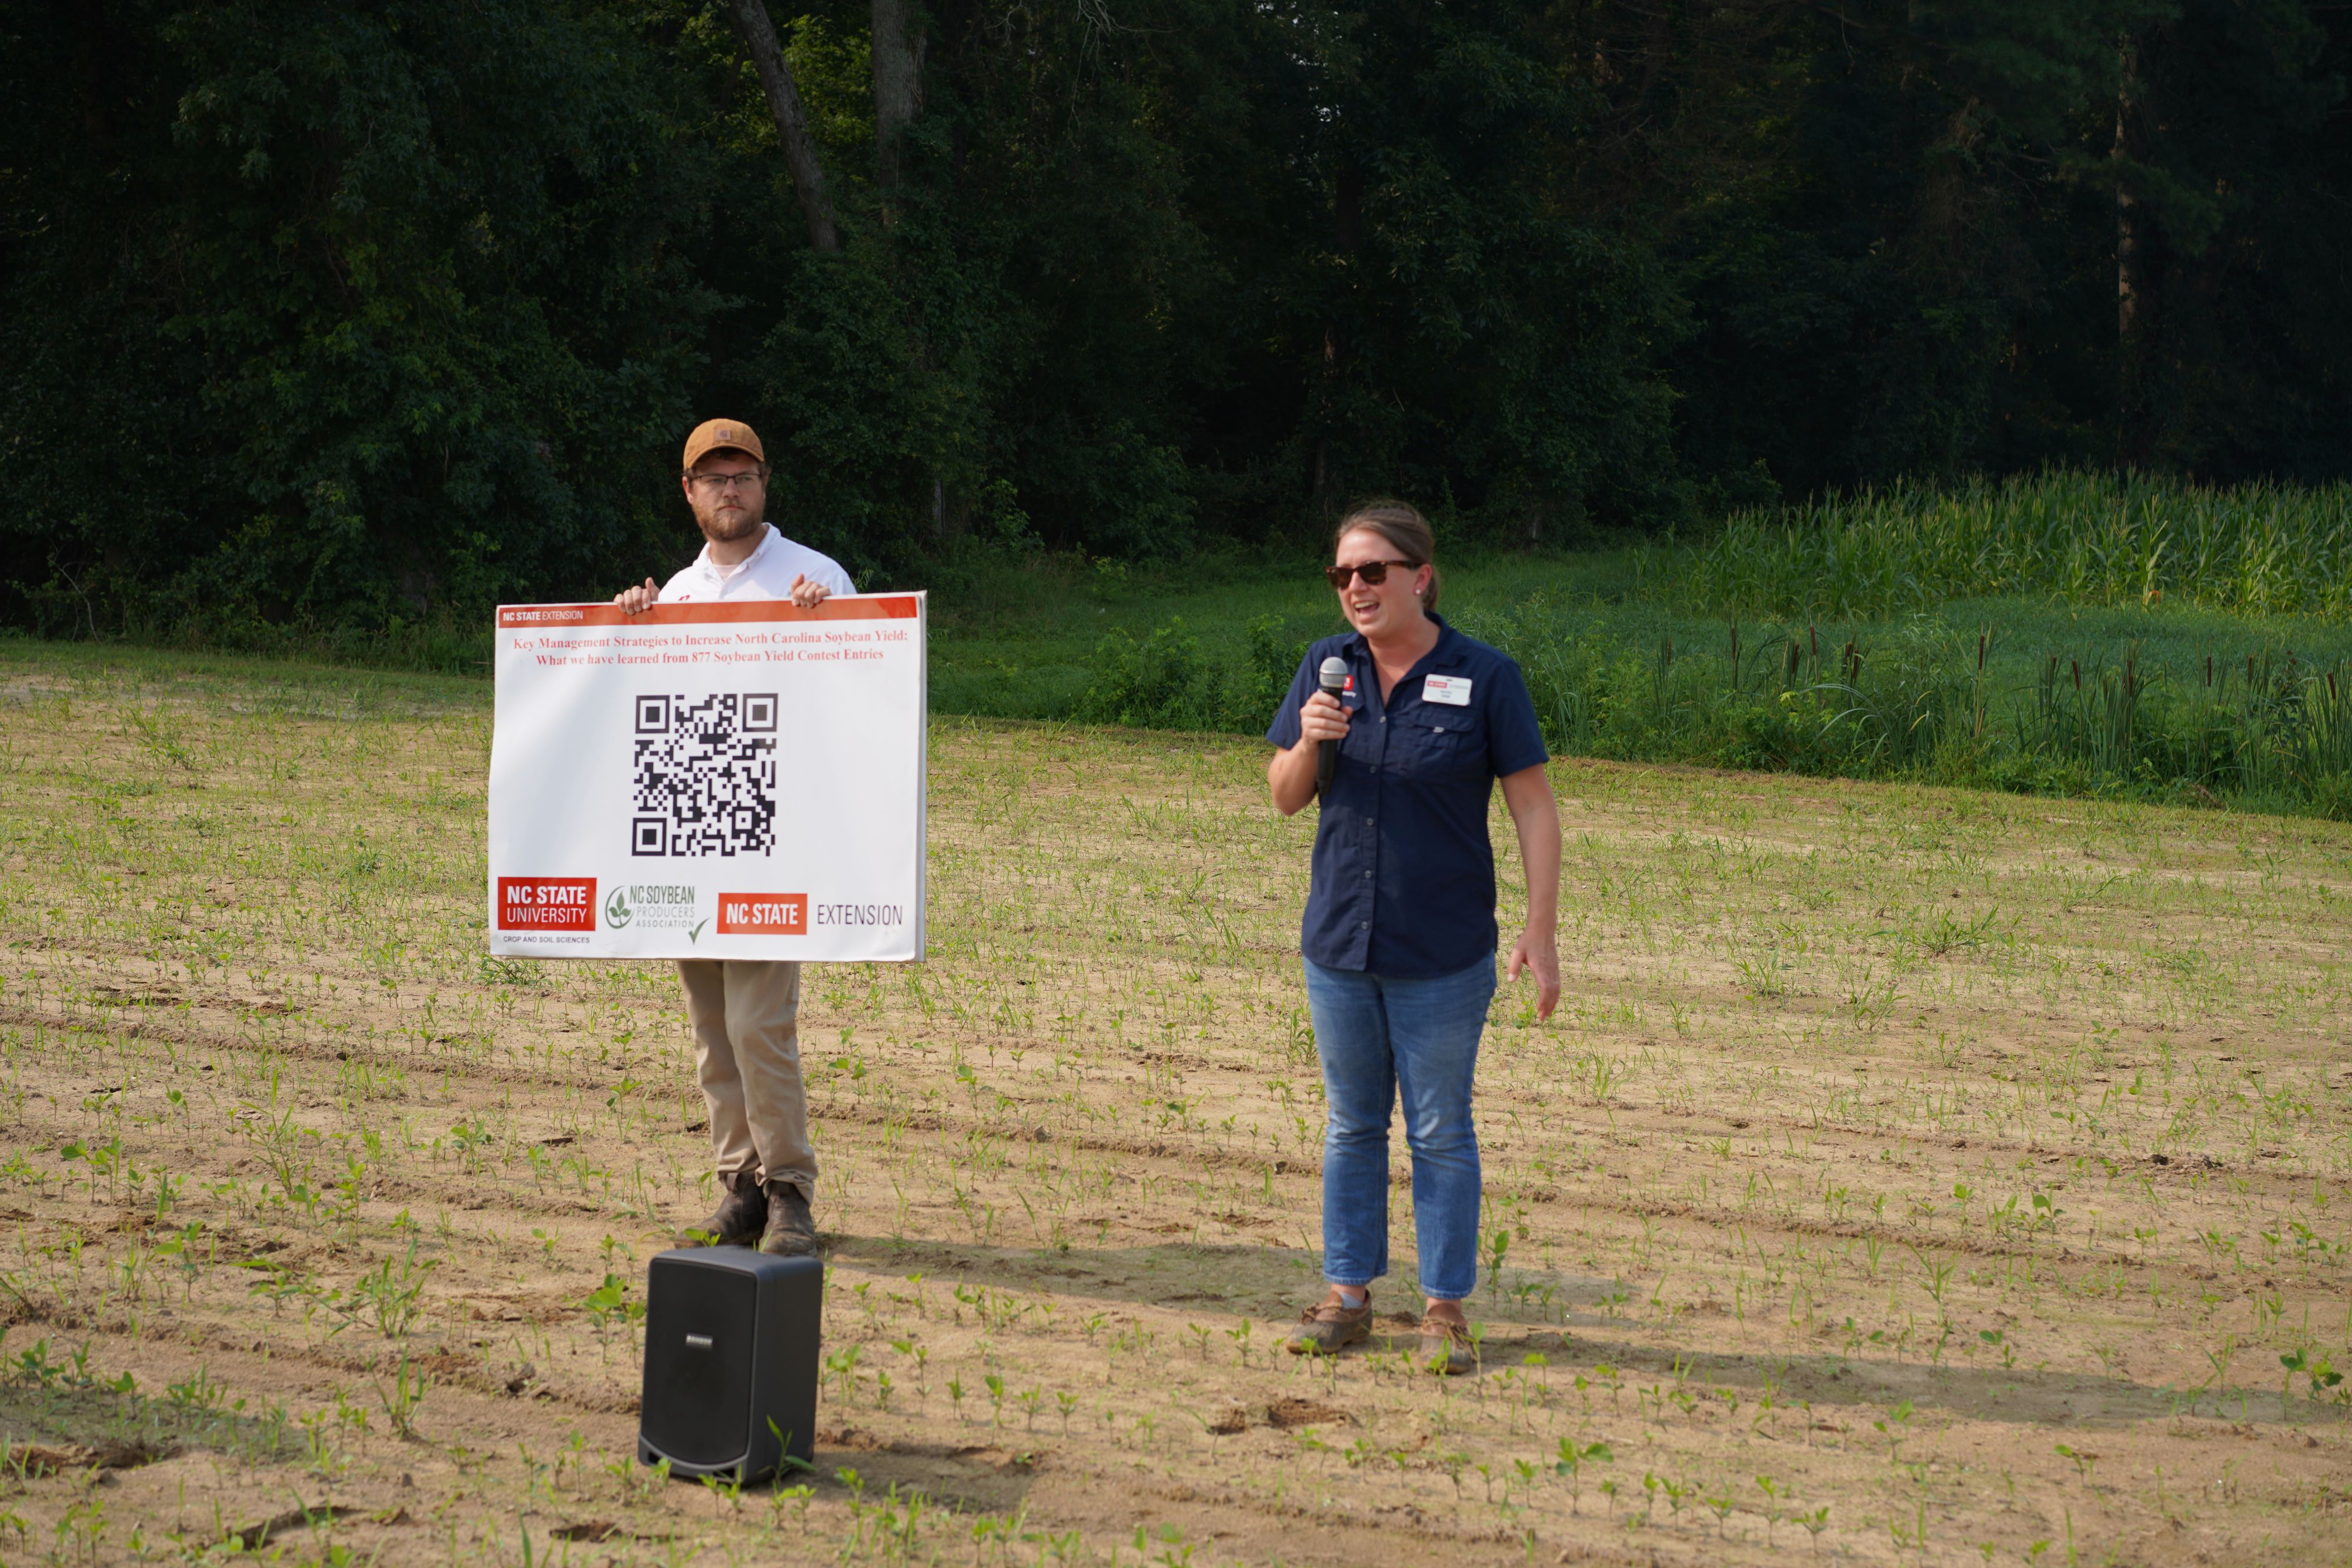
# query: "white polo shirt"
767,574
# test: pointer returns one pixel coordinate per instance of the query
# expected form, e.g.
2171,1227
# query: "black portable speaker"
731,1361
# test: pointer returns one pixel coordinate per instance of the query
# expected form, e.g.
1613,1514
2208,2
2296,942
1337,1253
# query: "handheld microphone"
1333,676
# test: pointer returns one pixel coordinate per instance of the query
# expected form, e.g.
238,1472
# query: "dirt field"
1908,1177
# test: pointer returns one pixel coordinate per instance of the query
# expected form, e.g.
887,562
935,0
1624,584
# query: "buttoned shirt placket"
719,581
1377,709
1368,675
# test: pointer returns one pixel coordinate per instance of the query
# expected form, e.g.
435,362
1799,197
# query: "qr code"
706,775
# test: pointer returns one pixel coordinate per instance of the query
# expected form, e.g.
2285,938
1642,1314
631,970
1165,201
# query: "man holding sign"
746,1012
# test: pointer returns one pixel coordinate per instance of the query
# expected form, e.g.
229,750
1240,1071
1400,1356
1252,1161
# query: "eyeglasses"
1374,572
715,482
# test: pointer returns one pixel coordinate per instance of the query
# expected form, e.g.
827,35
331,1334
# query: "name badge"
1452,690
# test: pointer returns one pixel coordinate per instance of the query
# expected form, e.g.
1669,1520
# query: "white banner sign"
728,781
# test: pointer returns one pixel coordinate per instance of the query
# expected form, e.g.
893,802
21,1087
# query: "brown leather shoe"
1447,1347
740,1213
792,1229
1330,1325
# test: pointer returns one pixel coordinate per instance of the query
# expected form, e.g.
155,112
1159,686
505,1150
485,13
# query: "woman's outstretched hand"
1537,950
1536,815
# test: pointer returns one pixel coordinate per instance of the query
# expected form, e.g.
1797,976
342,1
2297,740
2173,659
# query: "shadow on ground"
1272,1283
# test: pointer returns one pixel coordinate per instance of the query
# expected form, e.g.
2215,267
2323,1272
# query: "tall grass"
1923,699
2077,538
2052,707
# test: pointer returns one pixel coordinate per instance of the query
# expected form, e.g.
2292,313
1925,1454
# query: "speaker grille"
698,1393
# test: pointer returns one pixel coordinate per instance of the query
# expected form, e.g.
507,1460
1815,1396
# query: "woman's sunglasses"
1374,572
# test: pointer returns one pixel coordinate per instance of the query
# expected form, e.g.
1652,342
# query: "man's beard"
727,527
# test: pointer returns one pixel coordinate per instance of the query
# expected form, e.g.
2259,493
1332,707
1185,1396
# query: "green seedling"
1892,1427
2319,1373
1815,1522
1572,1459
400,1394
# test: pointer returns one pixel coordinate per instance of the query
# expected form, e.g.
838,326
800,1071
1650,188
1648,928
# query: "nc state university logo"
546,903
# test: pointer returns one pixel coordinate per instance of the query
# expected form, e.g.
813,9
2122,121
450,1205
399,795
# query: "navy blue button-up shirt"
1404,872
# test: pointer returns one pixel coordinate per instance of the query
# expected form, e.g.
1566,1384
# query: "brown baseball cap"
713,433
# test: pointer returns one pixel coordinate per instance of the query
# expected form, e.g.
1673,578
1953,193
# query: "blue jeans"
1380,1039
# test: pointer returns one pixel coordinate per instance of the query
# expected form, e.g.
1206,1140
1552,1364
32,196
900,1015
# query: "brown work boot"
792,1229
1447,1347
1330,1325
740,1213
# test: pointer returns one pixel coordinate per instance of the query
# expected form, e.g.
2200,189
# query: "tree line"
359,314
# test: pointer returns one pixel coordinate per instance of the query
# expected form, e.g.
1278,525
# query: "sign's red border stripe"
552,617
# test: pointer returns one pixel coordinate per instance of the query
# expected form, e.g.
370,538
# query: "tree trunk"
2131,286
1326,501
1347,234
897,83
792,121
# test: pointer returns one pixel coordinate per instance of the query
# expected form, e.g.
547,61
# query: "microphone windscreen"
1335,675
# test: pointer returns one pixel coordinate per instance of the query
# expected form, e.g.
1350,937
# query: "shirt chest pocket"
1434,742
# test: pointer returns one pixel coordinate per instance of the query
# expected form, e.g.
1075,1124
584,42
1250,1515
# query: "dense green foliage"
360,317
2079,538
2241,717
2006,636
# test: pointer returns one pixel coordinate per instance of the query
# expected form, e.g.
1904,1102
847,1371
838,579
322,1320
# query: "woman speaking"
1399,934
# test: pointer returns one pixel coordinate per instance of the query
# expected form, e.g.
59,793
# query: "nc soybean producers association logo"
654,906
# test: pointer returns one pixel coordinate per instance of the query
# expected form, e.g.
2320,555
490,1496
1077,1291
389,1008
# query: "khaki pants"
746,1018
